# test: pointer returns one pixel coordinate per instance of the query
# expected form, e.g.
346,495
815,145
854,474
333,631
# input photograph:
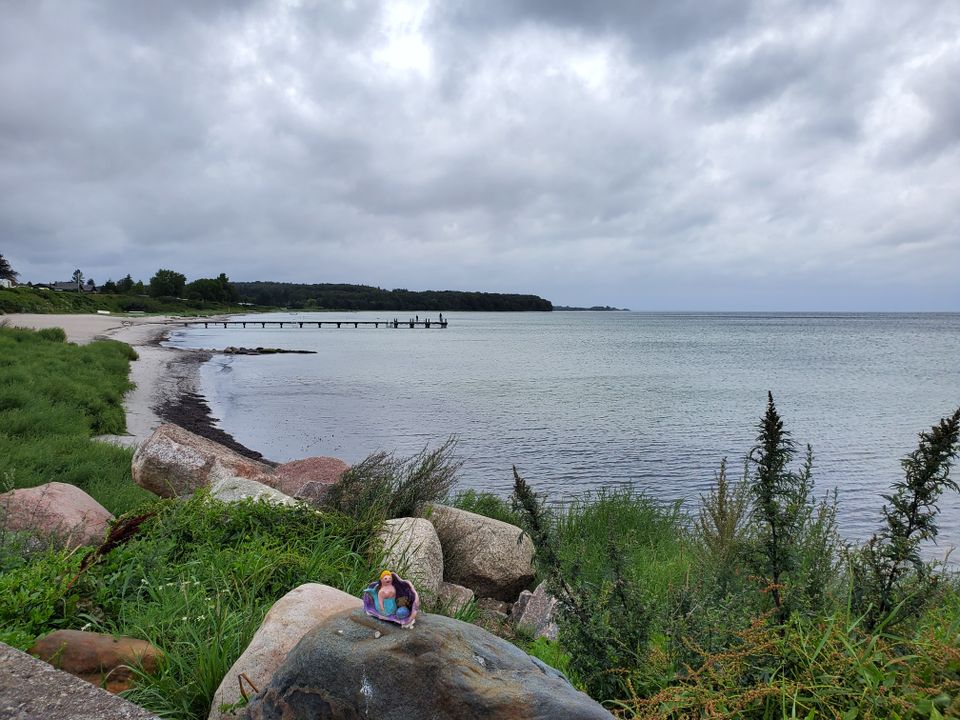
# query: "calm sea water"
579,401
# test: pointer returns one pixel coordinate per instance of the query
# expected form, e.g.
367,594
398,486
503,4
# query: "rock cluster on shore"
316,653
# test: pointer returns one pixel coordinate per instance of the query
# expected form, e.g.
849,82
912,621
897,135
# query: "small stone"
376,634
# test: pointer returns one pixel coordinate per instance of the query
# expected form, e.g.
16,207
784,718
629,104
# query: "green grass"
54,397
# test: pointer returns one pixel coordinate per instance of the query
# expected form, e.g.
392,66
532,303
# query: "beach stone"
455,597
174,462
536,615
290,618
31,689
62,513
230,488
103,660
290,477
412,549
521,603
353,666
491,557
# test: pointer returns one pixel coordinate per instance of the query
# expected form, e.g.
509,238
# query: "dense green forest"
327,296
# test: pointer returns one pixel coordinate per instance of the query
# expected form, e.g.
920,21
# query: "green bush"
383,486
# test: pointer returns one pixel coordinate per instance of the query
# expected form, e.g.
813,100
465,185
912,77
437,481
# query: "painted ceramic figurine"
393,599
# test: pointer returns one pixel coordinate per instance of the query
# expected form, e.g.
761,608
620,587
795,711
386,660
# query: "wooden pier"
318,324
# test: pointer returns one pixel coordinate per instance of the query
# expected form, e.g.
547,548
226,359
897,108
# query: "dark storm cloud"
655,154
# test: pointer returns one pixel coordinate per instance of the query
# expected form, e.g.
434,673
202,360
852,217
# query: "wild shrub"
604,620
794,537
720,530
893,582
383,486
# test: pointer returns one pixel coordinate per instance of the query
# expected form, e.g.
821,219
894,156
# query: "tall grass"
53,397
198,580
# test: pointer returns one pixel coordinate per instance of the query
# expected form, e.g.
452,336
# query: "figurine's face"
387,580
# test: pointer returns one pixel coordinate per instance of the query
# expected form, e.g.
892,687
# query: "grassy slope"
53,397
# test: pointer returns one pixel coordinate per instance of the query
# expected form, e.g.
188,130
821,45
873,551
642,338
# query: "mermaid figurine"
393,599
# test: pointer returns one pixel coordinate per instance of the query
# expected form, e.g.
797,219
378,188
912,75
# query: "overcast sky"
655,154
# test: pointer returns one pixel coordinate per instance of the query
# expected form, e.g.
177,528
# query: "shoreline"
166,379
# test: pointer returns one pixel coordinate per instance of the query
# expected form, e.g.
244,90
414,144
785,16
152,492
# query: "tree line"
167,283
331,296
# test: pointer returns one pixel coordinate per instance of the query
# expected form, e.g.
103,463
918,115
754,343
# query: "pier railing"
318,324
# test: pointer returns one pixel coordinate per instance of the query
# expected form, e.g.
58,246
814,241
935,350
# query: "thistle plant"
894,582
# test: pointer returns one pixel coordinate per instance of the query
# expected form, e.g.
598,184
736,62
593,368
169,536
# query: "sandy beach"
166,378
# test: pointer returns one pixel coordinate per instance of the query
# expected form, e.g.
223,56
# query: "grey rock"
412,550
354,666
230,488
31,689
492,558
518,607
536,616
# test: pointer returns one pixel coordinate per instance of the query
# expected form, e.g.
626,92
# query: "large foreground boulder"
287,622
103,660
354,666
492,558
413,550
55,511
174,462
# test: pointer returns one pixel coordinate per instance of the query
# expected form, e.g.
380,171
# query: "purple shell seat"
404,588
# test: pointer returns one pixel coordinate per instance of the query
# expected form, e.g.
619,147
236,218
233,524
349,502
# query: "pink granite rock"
290,477
174,462
58,511
104,660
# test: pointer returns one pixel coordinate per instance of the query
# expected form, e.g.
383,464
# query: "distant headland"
329,296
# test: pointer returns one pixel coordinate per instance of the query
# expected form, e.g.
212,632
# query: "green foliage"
383,486
218,289
326,296
53,334
486,504
892,577
783,509
167,283
34,597
200,577
720,531
53,397
591,556
6,271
